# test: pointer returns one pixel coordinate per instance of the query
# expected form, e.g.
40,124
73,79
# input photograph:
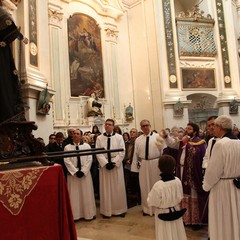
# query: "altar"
34,204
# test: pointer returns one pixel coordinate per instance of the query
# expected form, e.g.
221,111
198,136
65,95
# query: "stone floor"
133,227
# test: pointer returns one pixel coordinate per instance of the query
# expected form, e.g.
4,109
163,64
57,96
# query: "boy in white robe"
167,193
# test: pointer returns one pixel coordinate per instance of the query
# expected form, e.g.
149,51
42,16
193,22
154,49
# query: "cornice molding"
107,8
130,3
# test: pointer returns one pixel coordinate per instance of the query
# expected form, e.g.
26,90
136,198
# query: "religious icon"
233,107
129,113
43,105
178,109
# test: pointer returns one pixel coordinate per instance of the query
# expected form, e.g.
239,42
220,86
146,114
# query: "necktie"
147,148
78,159
108,147
213,142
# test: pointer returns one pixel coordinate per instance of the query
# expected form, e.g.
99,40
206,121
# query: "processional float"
18,145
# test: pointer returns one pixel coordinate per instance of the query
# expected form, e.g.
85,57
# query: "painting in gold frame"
198,78
85,56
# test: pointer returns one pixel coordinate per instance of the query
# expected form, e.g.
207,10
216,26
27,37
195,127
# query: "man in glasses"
113,201
145,161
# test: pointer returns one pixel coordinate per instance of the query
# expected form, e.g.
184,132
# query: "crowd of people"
169,173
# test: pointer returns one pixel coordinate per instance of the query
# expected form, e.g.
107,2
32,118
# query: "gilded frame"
198,78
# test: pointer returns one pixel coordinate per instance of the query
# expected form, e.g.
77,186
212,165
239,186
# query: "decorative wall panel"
196,39
224,46
169,44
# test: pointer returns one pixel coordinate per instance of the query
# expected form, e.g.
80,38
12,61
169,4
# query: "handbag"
172,215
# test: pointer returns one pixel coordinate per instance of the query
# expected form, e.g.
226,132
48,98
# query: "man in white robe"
145,161
224,197
113,199
79,181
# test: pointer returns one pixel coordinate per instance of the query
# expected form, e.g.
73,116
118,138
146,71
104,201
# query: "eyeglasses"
145,125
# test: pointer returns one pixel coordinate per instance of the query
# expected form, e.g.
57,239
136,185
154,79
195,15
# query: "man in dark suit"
58,146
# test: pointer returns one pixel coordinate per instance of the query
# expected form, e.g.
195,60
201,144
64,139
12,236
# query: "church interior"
169,61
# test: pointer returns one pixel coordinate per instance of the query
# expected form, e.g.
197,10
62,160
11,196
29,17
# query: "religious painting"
33,35
85,56
198,78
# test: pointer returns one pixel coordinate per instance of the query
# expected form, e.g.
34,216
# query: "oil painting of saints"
85,56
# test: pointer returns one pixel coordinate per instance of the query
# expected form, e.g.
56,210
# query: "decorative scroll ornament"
195,14
55,17
111,34
195,34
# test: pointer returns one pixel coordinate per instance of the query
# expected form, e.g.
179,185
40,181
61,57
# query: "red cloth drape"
46,213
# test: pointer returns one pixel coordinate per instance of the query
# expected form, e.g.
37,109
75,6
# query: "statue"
10,93
129,113
94,106
17,143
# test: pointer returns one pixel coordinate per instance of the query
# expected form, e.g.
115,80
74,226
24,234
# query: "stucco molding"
112,9
55,15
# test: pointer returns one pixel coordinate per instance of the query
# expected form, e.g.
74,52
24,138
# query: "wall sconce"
233,107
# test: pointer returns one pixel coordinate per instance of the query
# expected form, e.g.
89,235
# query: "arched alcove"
202,106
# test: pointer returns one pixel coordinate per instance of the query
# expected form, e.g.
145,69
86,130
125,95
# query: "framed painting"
198,78
85,56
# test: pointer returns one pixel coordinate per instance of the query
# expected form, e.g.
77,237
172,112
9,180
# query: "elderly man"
113,199
191,150
220,179
131,179
210,140
145,161
79,180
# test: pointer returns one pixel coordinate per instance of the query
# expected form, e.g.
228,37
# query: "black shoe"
122,215
145,214
106,217
196,227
